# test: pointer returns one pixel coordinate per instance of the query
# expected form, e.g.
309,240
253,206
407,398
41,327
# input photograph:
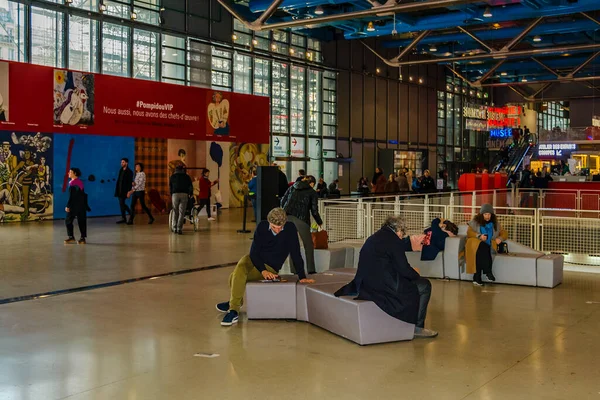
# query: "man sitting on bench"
385,277
274,240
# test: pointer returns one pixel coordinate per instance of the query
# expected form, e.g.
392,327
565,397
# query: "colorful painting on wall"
73,98
25,176
243,157
99,159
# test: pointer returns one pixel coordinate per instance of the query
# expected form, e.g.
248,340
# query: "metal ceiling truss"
261,25
502,55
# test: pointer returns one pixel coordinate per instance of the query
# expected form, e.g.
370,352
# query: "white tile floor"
137,341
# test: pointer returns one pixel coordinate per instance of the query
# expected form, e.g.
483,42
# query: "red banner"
43,99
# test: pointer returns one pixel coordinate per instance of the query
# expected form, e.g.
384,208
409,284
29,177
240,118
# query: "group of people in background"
402,182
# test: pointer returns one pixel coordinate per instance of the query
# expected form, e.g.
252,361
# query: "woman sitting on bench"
483,236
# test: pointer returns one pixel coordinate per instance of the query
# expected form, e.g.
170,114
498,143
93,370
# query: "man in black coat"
385,277
124,184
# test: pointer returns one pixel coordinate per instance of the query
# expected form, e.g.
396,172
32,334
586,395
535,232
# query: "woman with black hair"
138,192
483,236
77,207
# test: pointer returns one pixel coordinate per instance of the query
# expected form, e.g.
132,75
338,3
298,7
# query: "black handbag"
503,248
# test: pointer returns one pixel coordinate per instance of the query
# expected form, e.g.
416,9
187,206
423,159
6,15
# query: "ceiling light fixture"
503,73
370,27
133,14
433,49
378,70
537,38
524,79
394,31
234,37
319,10
496,25
487,13
410,78
292,51
273,47
101,7
421,80
68,2
254,42
309,55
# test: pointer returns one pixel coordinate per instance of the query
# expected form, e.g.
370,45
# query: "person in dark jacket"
391,186
385,277
525,184
299,202
322,188
181,188
282,183
402,182
301,175
274,240
124,183
334,190
363,186
205,185
378,182
427,183
436,238
77,207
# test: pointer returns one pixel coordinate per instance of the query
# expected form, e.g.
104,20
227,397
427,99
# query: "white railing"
573,232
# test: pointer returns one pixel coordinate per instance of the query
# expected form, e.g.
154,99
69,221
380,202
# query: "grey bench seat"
272,300
359,321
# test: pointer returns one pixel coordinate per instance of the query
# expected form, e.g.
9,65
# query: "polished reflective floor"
139,340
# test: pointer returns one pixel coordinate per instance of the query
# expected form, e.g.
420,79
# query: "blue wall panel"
99,159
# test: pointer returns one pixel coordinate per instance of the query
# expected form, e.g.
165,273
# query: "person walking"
77,207
138,192
181,188
391,186
299,202
204,196
124,184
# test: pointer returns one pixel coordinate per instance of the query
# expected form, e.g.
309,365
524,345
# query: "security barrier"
572,232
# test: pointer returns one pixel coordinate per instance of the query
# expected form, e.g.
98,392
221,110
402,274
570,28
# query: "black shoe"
130,222
223,307
122,221
151,221
477,280
491,277
180,232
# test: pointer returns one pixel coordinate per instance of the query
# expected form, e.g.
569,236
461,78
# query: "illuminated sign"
501,133
476,125
475,112
553,150
504,117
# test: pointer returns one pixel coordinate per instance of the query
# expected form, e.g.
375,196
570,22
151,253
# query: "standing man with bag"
124,184
299,202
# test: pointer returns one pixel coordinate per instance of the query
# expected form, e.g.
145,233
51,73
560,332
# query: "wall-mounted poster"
25,176
73,98
218,115
3,91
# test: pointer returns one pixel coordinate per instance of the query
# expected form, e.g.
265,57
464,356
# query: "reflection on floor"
137,341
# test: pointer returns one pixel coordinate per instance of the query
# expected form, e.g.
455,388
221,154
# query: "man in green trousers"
274,240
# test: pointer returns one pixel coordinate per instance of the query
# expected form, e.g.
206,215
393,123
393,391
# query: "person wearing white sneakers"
204,195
